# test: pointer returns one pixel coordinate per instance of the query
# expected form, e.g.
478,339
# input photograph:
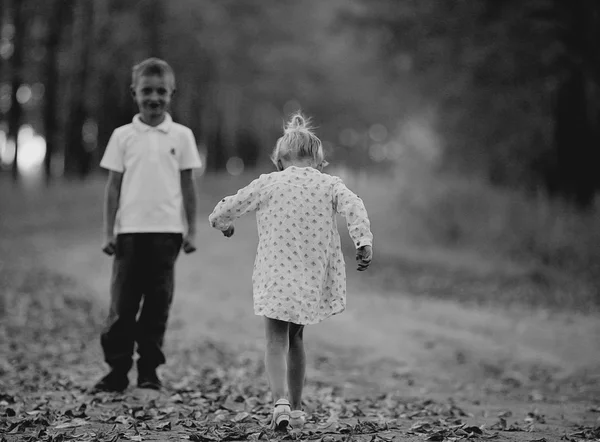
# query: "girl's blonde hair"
299,142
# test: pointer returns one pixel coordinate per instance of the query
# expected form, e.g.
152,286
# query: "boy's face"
152,94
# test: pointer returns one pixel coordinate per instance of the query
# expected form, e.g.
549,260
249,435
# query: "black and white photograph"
309,220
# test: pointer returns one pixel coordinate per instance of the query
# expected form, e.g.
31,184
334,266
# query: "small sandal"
297,419
281,415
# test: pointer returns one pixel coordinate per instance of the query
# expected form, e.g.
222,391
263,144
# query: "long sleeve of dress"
352,208
230,208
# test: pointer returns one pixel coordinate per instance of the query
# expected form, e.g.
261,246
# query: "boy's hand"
364,255
189,243
110,246
229,232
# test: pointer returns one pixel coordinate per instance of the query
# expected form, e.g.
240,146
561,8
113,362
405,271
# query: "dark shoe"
149,379
114,381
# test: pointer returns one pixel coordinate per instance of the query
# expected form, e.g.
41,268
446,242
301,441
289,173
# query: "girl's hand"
364,255
229,231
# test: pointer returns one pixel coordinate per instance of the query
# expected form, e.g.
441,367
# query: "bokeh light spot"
8,31
89,131
378,133
6,48
394,151
7,150
24,94
32,150
235,166
377,152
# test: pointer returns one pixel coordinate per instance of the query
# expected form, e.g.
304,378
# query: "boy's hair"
152,66
299,142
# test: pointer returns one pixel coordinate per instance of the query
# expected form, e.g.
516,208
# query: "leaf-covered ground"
49,358
398,364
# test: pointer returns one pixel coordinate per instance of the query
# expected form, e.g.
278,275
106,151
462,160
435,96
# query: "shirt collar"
164,127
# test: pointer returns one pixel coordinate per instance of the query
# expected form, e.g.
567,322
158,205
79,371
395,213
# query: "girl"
299,274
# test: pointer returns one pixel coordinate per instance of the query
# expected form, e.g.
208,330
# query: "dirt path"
490,361
433,367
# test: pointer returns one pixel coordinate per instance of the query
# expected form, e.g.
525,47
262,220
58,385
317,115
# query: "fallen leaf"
437,437
177,398
71,424
501,424
473,429
122,419
421,427
163,426
535,417
240,417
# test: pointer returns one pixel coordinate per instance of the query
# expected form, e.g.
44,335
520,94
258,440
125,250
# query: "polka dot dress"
299,272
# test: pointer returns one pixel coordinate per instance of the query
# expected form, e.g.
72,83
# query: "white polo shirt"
151,159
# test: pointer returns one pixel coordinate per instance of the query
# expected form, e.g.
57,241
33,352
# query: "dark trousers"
143,270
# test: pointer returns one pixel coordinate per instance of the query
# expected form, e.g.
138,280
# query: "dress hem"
287,318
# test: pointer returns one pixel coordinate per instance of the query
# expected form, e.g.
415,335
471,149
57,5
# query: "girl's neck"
299,163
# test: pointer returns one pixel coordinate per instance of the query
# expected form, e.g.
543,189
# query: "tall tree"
577,106
61,10
152,13
77,158
518,83
2,15
15,113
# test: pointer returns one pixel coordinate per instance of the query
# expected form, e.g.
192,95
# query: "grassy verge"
462,239
439,236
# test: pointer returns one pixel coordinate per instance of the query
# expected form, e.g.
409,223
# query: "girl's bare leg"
276,332
296,365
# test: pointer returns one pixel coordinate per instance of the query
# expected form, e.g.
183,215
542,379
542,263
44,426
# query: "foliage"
495,73
510,88
213,394
241,68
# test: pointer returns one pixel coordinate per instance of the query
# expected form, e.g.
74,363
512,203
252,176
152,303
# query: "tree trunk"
2,14
573,142
16,63
60,12
151,15
77,158
577,114
216,150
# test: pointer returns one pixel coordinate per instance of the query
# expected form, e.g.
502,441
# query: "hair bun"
297,121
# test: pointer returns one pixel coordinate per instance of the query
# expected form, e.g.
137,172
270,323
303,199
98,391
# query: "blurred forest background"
470,129
508,91
488,110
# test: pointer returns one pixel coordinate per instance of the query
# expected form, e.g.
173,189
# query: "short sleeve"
113,155
189,158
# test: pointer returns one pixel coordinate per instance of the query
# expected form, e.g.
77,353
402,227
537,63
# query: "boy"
150,190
